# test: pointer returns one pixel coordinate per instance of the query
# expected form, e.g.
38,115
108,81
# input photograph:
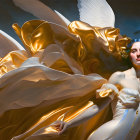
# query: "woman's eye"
133,51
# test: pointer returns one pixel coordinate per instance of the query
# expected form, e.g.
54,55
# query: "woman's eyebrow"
133,48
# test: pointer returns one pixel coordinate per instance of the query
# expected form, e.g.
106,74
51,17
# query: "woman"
53,78
125,98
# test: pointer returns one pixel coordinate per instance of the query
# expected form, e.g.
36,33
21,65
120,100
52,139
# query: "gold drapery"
53,78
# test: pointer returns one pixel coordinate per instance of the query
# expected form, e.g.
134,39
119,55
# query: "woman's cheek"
132,57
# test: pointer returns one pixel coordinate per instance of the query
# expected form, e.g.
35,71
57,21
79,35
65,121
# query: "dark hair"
128,49
131,43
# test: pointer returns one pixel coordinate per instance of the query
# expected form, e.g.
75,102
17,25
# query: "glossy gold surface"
105,93
12,61
50,80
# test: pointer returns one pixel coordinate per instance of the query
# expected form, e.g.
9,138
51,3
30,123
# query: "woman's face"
135,54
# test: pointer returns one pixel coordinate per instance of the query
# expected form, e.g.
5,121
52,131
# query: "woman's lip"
138,59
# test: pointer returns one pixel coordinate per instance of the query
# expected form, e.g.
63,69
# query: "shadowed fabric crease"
55,78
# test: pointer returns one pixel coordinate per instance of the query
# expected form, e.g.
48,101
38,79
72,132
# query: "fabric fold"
55,75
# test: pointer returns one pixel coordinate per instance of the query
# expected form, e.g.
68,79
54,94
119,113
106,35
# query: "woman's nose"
138,53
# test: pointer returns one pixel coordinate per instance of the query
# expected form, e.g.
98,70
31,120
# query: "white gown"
125,124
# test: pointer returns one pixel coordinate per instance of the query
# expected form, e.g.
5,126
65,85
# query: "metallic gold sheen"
55,59
80,41
105,93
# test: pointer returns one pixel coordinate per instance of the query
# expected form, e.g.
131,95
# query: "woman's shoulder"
130,72
116,77
119,75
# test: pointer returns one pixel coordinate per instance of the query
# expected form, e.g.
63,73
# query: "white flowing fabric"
32,74
30,91
96,13
7,44
42,11
126,118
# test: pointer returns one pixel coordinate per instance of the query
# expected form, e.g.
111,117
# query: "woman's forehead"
135,45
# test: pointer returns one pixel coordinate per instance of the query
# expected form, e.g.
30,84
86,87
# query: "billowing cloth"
107,90
129,97
126,118
55,78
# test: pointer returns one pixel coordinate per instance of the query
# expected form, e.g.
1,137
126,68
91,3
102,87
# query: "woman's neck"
137,72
